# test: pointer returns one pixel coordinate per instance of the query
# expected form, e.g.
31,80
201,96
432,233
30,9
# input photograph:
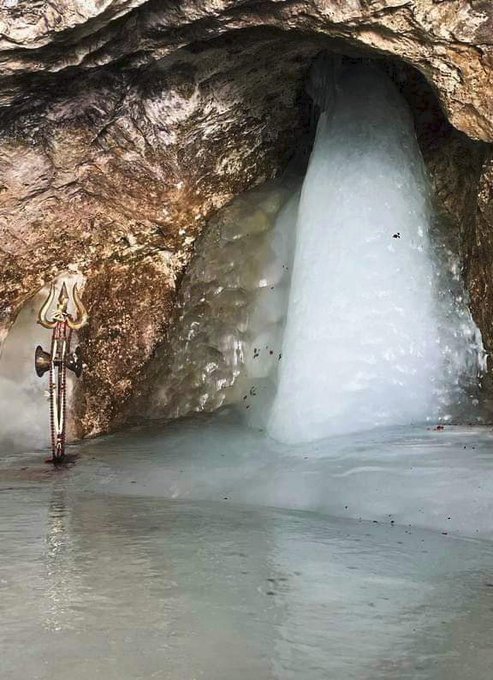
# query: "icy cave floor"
209,551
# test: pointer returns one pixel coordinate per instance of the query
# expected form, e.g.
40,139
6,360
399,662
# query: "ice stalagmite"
369,338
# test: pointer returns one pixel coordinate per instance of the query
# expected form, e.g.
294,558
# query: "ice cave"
246,313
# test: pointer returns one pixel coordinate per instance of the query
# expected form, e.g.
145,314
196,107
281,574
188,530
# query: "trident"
59,359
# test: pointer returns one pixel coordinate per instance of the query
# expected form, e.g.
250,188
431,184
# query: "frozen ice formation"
375,335
378,329
228,332
439,479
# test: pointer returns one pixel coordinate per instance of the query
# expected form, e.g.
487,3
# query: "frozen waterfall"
372,338
333,304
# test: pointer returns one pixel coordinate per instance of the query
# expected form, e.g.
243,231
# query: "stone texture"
89,180
125,124
480,256
450,41
120,338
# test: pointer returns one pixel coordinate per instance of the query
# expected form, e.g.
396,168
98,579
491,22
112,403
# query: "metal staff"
59,359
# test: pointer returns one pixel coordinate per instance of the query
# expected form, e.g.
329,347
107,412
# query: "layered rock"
449,40
125,124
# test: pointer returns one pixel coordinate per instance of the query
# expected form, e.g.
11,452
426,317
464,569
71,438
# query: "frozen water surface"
210,551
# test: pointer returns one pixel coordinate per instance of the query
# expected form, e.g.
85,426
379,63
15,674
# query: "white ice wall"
370,339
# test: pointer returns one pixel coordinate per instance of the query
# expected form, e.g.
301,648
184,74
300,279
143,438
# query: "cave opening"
282,433
244,118
212,356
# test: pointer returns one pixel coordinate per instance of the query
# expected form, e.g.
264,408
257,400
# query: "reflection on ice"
156,556
123,587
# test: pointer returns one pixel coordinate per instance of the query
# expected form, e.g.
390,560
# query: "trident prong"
42,320
82,315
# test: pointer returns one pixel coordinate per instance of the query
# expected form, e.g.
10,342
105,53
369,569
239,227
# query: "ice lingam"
338,307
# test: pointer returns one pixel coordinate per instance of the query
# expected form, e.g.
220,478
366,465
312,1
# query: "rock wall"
116,177
125,124
450,41
479,270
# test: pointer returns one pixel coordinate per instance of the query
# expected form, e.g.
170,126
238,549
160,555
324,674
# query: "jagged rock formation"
125,124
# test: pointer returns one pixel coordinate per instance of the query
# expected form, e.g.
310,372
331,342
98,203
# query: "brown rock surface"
450,41
480,256
124,124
